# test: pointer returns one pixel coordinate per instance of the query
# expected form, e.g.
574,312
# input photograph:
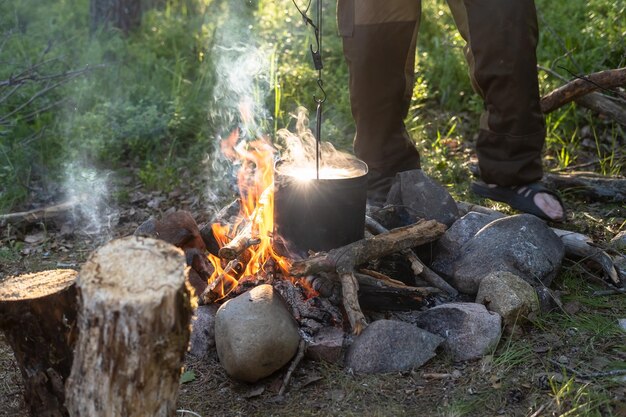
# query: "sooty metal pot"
320,214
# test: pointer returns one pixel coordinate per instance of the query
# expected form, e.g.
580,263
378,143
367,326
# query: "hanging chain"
318,65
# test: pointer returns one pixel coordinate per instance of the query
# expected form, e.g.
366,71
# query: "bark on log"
603,105
134,329
581,86
38,318
344,260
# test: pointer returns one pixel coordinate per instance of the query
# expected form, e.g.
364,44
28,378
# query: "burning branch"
344,260
246,237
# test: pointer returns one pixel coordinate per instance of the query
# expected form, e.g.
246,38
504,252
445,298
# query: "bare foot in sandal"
532,198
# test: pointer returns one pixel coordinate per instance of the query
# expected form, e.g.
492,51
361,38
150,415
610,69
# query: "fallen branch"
595,187
294,364
344,260
418,268
38,215
603,374
579,245
581,86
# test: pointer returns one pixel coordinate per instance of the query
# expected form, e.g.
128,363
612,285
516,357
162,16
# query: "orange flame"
256,186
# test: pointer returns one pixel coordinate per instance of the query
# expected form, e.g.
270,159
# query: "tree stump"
134,330
38,318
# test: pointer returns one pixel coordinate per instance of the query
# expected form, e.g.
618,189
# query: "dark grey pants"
379,39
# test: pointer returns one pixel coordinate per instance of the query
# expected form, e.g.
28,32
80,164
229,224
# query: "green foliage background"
153,101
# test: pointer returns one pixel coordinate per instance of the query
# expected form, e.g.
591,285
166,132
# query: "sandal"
519,197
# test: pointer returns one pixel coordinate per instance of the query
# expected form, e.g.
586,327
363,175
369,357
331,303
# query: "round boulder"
255,335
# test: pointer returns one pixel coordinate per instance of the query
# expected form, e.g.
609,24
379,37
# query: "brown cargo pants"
379,39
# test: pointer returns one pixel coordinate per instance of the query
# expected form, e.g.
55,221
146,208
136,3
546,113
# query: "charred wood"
344,260
418,267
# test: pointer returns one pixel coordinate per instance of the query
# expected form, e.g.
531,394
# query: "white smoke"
89,188
299,148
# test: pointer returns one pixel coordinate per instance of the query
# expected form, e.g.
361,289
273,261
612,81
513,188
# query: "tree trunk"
134,329
122,14
38,318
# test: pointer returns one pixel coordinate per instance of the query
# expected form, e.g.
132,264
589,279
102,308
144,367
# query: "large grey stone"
448,248
391,346
469,329
255,335
202,338
522,244
508,295
422,198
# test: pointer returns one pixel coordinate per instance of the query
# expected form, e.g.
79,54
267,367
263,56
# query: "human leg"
501,38
379,47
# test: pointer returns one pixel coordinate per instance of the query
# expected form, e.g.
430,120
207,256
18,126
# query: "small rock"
622,324
202,338
329,345
508,295
564,360
522,244
255,335
391,346
469,329
422,198
548,300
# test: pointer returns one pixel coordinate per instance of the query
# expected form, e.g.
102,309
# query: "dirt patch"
540,369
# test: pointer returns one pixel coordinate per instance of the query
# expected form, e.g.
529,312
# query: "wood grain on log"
38,318
345,259
581,86
134,329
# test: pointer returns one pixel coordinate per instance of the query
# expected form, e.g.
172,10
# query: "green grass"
157,99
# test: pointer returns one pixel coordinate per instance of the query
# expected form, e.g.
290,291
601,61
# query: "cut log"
417,266
133,330
38,318
581,86
344,260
